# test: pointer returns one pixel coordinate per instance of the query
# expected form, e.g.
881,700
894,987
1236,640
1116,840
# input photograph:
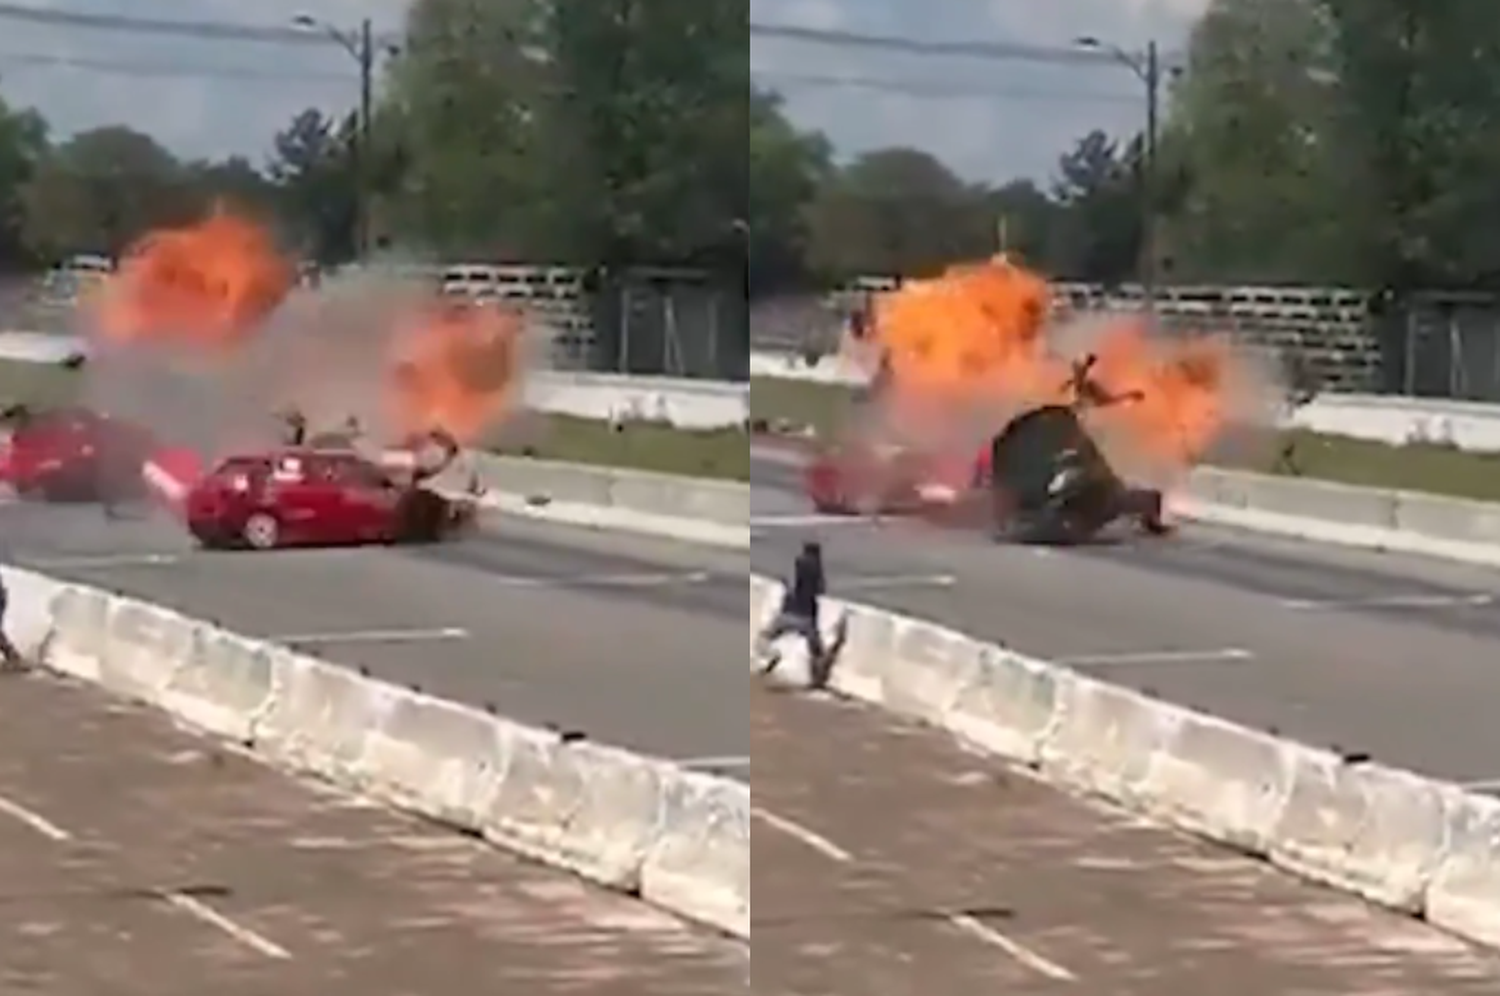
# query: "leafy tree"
1267,190
1097,236
23,145
1421,89
787,167
318,186
102,189
1025,219
897,211
648,120
457,137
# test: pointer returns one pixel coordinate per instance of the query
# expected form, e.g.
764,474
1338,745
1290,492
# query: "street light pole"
1149,176
1148,69
361,46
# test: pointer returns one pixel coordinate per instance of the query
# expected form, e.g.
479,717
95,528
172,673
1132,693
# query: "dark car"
1051,483
304,496
73,454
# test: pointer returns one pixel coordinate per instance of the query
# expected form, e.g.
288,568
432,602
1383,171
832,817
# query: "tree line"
1350,142
592,132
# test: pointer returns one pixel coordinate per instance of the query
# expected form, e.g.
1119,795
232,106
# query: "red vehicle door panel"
369,500
305,506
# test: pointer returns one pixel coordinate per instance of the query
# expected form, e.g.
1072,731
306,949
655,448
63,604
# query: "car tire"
261,531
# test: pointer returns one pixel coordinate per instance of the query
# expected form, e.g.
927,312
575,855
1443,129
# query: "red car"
73,454
859,479
305,496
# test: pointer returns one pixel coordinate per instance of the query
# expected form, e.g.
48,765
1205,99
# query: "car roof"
338,454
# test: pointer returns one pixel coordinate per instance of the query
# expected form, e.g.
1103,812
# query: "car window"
241,475
289,470
356,473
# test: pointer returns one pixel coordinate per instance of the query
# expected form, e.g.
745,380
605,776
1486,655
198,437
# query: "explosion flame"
208,285
218,291
978,340
455,368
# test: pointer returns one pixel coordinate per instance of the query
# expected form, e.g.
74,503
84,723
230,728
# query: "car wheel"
261,531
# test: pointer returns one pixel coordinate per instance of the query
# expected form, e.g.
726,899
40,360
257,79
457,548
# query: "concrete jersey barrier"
676,838
1422,847
1323,511
686,508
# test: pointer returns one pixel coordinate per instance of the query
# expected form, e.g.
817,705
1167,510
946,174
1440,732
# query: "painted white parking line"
1020,952
1407,601
206,914
874,582
102,561
36,821
373,636
1214,656
802,835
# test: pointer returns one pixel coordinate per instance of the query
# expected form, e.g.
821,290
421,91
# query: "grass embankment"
1441,470
722,454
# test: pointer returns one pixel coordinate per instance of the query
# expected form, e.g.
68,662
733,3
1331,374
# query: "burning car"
73,454
1043,477
306,496
859,478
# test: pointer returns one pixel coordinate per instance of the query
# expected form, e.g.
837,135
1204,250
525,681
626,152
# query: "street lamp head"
305,21
1088,42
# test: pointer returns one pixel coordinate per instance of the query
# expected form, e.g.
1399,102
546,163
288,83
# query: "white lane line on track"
793,520
715,763
1213,656
875,582
34,820
206,914
102,561
1020,952
373,636
659,579
1415,600
802,835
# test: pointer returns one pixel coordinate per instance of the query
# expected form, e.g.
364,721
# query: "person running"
10,657
799,612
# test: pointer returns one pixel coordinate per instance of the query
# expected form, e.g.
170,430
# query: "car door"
368,500
294,497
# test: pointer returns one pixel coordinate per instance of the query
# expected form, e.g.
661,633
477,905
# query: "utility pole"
1149,176
364,154
1148,69
361,46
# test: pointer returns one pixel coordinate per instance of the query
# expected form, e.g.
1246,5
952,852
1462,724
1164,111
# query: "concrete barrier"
1408,522
694,509
1423,847
677,838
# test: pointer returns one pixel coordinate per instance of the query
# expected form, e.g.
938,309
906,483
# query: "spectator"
799,612
10,657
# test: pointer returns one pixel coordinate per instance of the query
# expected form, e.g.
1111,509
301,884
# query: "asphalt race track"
1391,656
630,641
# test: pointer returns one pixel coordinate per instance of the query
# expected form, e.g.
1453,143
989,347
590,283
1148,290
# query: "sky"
990,121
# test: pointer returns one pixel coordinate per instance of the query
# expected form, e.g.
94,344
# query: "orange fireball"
455,367
205,286
980,337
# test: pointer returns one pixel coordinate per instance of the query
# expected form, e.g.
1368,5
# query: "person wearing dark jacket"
799,612
10,657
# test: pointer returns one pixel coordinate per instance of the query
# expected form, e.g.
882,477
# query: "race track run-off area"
145,859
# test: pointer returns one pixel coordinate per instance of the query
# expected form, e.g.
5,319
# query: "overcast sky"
210,98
